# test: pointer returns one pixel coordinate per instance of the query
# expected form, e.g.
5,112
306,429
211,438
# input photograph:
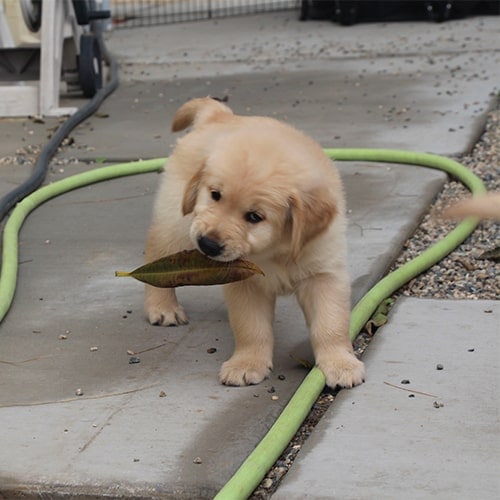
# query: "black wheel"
90,65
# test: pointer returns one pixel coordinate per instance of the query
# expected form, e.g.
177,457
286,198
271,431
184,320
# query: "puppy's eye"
216,196
253,217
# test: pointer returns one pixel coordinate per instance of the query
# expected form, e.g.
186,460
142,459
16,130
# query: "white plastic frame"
41,98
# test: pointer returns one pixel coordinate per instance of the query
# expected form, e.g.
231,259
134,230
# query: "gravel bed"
463,274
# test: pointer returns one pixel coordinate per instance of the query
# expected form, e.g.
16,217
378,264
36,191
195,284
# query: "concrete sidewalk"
164,427
425,424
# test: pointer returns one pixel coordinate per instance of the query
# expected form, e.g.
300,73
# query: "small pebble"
439,366
211,350
405,381
93,349
133,360
281,471
197,460
162,394
79,392
267,483
130,352
281,377
275,398
438,404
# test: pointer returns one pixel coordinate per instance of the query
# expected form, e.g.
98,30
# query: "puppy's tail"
484,207
199,111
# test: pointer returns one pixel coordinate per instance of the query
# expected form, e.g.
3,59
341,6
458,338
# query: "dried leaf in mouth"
191,267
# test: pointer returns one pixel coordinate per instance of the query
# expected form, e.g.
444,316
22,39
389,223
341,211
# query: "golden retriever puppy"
254,188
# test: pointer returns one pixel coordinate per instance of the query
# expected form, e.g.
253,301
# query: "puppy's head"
253,196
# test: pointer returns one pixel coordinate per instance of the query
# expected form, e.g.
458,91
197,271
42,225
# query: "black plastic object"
90,65
86,12
439,10
349,12
316,9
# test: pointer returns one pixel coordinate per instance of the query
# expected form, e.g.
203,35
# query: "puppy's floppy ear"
191,193
310,213
199,111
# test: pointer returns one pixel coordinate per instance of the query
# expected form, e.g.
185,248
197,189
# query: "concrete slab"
392,441
278,42
397,85
120,437
349,107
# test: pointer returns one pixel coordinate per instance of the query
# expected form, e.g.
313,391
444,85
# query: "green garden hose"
258,463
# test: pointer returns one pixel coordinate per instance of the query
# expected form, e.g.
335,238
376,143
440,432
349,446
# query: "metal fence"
133,13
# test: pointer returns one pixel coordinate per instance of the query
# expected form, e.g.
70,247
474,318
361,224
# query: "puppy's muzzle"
210,247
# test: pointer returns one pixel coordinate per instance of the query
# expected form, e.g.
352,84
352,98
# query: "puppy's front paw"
162,308
244,370
167,317
342,369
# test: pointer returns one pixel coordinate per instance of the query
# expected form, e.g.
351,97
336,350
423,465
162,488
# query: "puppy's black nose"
209,247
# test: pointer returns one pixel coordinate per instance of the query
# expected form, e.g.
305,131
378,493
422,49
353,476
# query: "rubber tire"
90,65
